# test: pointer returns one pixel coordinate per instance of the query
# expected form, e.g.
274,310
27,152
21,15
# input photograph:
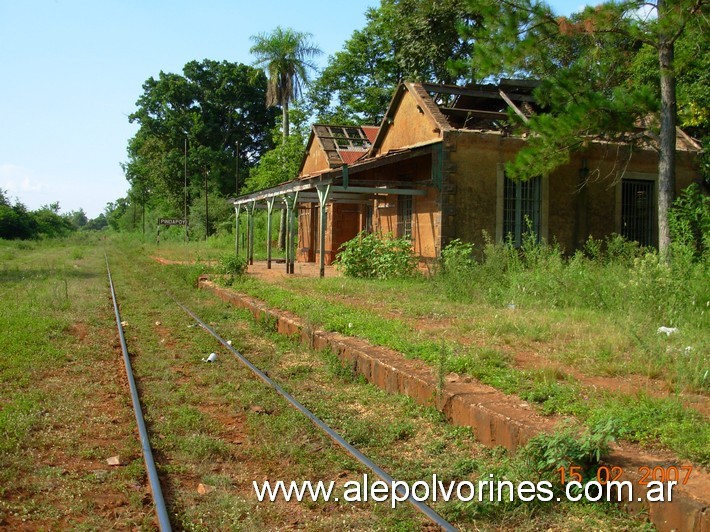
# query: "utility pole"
237,173
185,187
207,216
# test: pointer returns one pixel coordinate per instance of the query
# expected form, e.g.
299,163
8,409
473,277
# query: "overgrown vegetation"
19,223
210,424
598,311
610,275
690,223
377,256
231,267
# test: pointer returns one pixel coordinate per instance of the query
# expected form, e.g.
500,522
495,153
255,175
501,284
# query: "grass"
587,326
203,418
53,435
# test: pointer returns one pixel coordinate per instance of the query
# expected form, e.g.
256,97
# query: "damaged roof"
341,144
483,107
487,107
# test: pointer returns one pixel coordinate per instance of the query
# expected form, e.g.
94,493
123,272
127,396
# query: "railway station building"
434,171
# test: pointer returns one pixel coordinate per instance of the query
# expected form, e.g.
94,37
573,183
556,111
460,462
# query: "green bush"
230,264
690,223
377,256
566,447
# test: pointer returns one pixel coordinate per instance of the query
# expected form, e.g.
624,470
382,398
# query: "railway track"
159,502
155,488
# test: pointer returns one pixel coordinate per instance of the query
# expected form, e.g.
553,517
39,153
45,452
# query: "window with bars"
368,219
404,216
637,208
522,203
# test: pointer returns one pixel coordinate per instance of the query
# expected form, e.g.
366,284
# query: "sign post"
170,221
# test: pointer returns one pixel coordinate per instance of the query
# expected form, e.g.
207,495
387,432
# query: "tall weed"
628,287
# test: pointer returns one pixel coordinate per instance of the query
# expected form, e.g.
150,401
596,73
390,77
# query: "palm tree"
285,55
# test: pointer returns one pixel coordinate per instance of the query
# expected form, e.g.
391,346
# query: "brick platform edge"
496,418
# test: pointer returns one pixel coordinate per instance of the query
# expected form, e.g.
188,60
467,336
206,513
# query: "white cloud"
18,179
35,188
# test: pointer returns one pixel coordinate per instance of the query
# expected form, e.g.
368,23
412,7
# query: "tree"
403,39
662,35
114,211
77,218
357,84
49,223
15,221
96,224
283,161
285,55
586,90
692,70
194,122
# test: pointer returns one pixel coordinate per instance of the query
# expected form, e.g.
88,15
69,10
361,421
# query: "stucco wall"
426,214
469,195
409,126
316,159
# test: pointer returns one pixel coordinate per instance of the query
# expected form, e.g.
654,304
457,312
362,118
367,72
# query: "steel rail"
354,452
158,500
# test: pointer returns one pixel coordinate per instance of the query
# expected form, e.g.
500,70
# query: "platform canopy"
344,184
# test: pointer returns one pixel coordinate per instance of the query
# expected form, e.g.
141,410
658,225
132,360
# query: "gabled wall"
407,124
316,160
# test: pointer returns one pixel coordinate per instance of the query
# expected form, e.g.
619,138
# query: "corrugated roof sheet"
370,132
349,157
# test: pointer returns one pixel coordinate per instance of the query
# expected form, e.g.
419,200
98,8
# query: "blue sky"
72,71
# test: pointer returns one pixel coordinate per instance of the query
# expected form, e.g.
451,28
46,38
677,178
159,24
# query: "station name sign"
171,221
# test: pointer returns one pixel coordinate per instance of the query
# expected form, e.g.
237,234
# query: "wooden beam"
491,115
476,93
513,106
383,190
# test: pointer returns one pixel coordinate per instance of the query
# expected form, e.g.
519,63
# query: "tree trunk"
282,219
284,108
666,162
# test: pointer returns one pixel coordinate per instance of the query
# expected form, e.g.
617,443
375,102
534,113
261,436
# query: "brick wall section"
576,208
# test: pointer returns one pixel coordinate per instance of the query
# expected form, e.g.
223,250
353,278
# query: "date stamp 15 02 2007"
653,479
678,474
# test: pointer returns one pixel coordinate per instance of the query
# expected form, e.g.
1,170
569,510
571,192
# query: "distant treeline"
17,222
